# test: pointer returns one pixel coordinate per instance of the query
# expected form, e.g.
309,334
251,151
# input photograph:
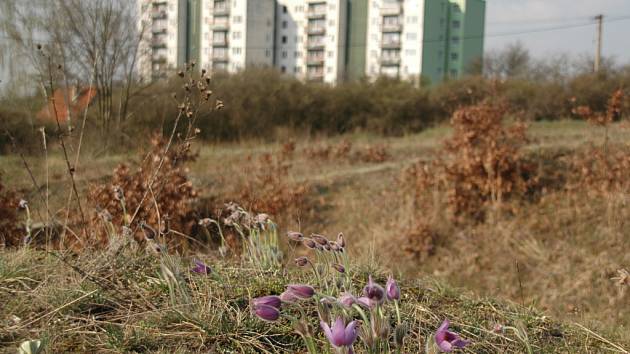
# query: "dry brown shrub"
374,154
267,187
419,239
168,203
614,108
603,170
482,163
11,234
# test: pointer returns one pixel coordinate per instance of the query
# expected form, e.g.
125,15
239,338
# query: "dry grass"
121,302
568,245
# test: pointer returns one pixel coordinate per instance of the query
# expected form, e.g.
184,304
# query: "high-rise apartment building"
316,40
311,39
429,39
219,35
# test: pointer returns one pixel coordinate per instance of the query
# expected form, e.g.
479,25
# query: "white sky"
506,16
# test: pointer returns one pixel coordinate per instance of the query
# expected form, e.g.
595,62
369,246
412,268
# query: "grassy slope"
567,248
117,302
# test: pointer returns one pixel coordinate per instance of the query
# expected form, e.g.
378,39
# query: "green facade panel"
357,39
453,37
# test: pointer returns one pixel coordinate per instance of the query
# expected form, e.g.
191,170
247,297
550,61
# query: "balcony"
221,26
221,8
315,60
315,44
158,30
158,15
158,60
316,10
390,44
390,61
220,57
158,43
316,30
392,27
220,42
157,3
391,9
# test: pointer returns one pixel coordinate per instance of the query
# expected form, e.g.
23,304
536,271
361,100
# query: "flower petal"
351,333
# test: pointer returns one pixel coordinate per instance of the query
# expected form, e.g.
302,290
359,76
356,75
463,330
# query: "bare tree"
95,41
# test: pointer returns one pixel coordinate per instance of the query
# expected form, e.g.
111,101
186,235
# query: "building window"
284,39
410,52
237,19
236,35
285,24
284,11
412,19
284,54
457,24
330,53
455,39
454,56
296,70
283,69
411,36
456,8
236,50
454,72
331,23
329,69
299,8
267,53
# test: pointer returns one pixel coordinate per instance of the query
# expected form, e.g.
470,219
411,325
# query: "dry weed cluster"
344,150
267,186
170,199
10,232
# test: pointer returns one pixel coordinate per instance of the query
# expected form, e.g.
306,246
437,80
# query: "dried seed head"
180,73
219,105
295,236
118,193
309,243
341,240
262,218
205,222
301,261
339,268
319,239
334,246
23,204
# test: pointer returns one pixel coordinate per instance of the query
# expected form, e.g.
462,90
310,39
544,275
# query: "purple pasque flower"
367,302
347,300
447,340
266,312
289,297
392,291
201,268
270,300
373,291
341,335
301,291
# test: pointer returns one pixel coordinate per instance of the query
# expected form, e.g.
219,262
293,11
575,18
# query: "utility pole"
598,49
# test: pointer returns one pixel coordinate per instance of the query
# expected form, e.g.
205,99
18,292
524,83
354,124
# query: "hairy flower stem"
397,311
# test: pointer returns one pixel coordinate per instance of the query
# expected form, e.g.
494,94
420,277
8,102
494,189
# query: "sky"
509,16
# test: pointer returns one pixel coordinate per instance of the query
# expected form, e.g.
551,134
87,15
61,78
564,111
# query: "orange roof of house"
78,102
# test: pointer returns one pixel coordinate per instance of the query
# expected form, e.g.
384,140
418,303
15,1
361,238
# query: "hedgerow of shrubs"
265,104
